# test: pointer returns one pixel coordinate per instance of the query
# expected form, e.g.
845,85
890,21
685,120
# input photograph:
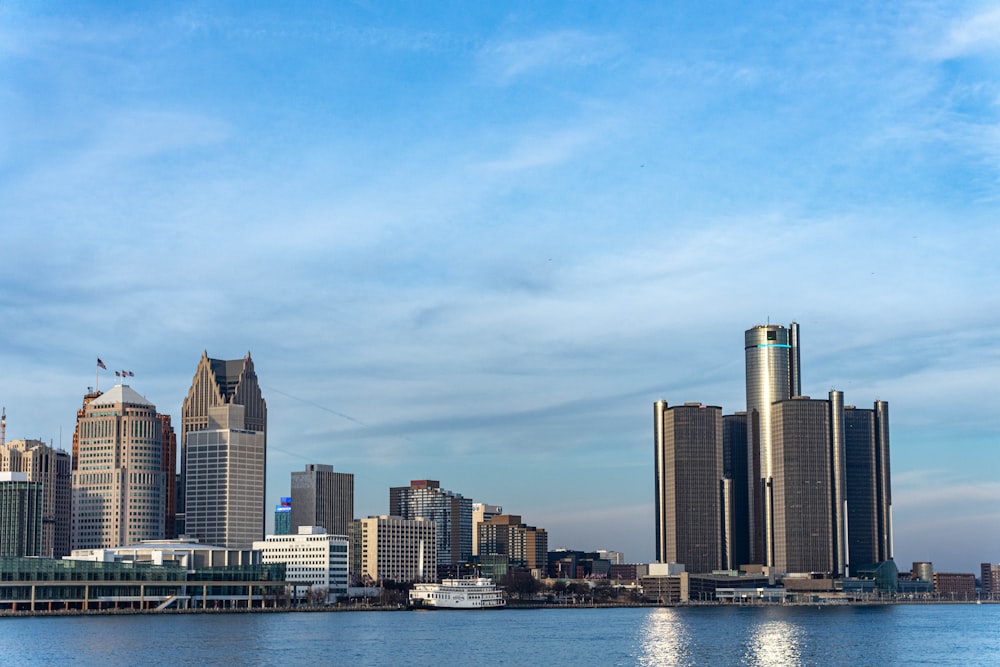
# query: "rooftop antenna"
3,426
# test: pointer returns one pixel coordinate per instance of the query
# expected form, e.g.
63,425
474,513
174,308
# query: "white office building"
315,562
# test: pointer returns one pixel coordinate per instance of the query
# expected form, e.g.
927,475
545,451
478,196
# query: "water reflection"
665,639
774,643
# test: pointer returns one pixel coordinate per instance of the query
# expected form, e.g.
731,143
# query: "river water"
942,634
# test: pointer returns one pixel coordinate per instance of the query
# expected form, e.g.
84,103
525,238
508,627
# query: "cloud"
506,62
940,496
541,151
978,34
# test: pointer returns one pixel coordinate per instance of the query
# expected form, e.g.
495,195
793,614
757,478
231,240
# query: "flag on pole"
118,374
100,364
131,374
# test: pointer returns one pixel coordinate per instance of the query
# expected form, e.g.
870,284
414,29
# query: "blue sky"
475,242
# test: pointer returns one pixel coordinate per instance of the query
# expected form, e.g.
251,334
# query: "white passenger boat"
468,593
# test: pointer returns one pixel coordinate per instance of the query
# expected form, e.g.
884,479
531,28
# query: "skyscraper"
119,483
868,496
802,501
481,512
451,512
283,516
736,513
523,545
805,483
225,480
52,468
322,497
689,474
87,398
772,374
20,515
169,463
391,548
218,383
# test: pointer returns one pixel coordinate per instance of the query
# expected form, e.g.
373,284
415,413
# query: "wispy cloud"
977,34
541,151
943,495
507,61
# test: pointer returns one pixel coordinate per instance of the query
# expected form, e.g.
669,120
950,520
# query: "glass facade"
803,500
772,374
451,512
688,501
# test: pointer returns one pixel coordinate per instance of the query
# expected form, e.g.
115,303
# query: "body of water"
766,635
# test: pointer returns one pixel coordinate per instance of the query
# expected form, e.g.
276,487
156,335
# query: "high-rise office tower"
450,511
506,535
53,469
119,483
87,398
169,463
283,516
802,502
689,481
772,368
224,488
322,497
867,493
481,512
219,382
391,548
736,517
989,578
20,515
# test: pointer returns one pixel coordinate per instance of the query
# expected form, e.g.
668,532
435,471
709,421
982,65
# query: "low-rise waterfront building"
316,563
185,551
49,584
955,585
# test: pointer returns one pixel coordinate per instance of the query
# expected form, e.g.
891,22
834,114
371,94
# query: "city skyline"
475,245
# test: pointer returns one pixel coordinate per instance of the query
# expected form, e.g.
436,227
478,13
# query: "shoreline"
515,607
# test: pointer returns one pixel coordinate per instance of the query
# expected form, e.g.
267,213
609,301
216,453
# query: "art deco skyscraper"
225,480
772,368
322,497
217,383
119,483
689,477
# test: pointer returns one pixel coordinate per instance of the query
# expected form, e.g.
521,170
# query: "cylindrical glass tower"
772,362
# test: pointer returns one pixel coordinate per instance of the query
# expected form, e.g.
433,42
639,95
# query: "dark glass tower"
689,486
736,514
802,501
868,498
